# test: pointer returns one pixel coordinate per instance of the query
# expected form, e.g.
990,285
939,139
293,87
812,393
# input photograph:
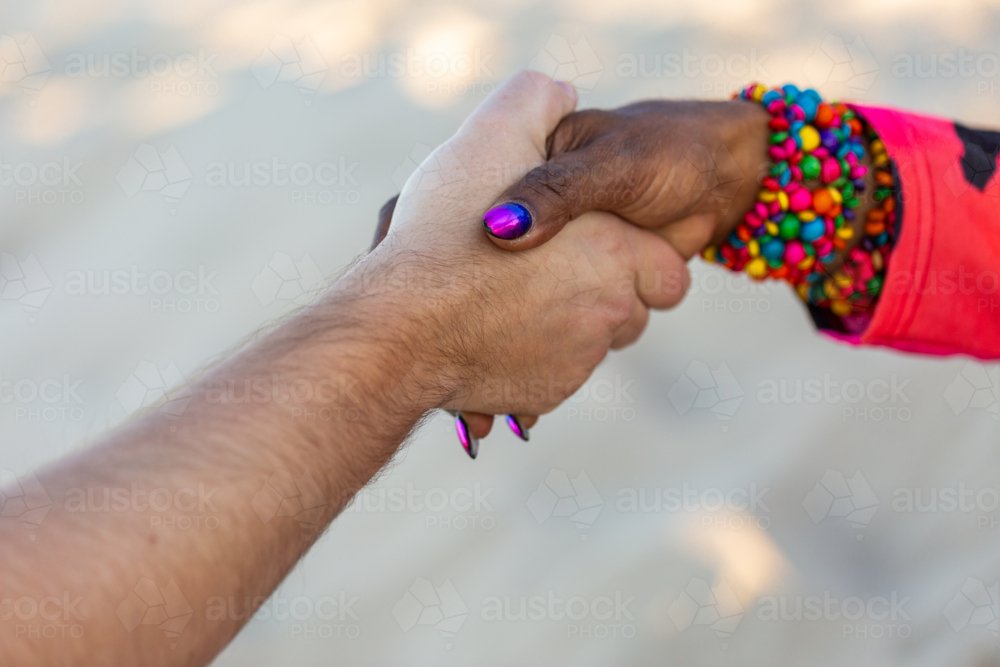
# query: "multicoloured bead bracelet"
853,288
794,232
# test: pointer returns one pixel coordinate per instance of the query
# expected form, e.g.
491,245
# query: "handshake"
542,237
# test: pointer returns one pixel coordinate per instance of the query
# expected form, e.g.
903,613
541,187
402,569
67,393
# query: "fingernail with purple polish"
507,221
516,427
469,441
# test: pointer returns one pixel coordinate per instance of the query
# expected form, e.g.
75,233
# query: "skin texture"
409,329
687,170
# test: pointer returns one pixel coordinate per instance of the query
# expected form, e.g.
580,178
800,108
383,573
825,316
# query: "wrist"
399,317
742,127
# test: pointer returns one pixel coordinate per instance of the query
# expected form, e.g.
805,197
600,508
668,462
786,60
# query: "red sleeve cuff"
942,289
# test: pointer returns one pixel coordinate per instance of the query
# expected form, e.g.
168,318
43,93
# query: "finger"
582,174
528,421
535,208
630,332
520,425
384,221
479,424
661,274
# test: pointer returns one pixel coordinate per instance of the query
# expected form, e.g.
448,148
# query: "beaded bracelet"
793,232
853,288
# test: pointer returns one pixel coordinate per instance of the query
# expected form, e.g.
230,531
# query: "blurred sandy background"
627,513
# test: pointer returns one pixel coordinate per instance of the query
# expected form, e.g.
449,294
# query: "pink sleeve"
942,289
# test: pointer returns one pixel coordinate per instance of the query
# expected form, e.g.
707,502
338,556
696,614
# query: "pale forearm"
305,417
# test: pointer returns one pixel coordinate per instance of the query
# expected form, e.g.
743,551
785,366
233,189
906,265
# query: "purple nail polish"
469,441
515,426
507,221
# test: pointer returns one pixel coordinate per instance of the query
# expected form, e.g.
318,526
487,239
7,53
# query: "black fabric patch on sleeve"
979,162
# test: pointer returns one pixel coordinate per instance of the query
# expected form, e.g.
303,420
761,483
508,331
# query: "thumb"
535,208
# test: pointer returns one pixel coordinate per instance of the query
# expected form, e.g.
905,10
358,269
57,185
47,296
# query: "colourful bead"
799,200
810,167
789,227
795,253
793,233
767,196
812,230
824,115
810,138
822,200
773,249
840,308
756,268
830,170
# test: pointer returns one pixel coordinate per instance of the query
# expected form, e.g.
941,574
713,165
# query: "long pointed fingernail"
507,221
469,441
516,427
